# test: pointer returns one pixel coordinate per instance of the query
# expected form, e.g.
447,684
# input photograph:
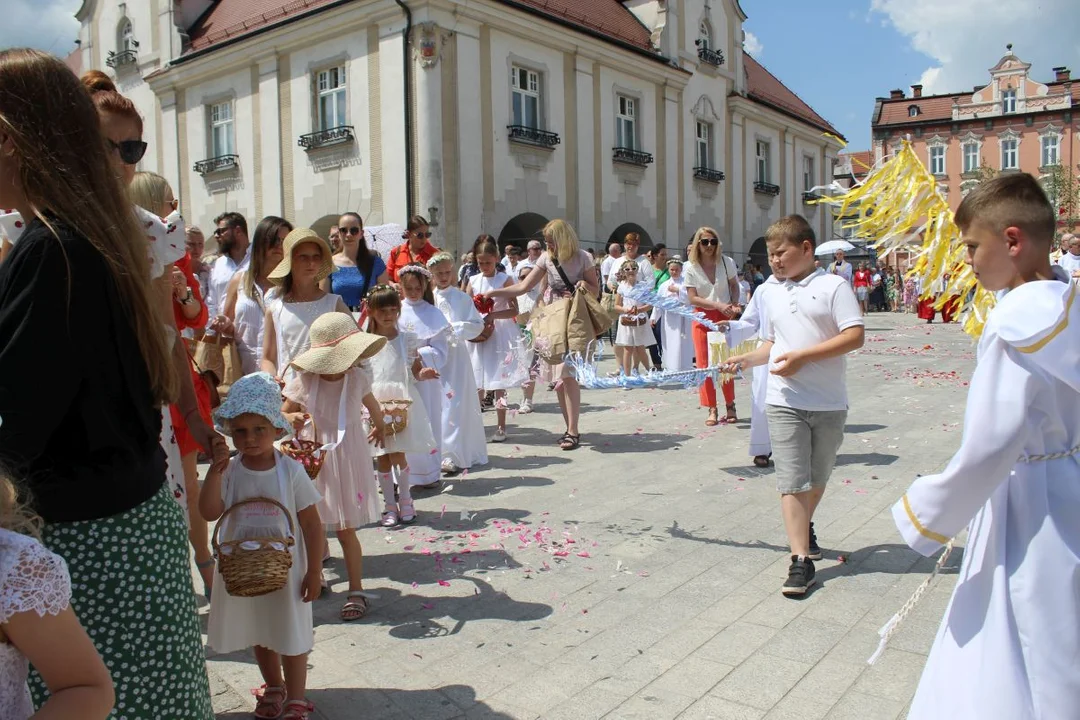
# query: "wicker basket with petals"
252,567
308,453
396,415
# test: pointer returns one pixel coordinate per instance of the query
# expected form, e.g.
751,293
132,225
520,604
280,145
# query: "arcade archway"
619,234
521,229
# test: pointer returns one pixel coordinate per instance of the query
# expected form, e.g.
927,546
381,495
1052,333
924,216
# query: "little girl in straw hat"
331,388
279,624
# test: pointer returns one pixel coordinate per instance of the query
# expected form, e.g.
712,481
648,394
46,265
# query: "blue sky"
841,54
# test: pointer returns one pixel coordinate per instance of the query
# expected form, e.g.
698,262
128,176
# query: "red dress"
202,393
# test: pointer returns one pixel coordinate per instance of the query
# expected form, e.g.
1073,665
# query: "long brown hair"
66,176
266,233
107,99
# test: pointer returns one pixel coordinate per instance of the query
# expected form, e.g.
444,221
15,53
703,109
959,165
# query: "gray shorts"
804,445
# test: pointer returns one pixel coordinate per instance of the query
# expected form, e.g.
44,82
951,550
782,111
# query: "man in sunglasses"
232,238
417,247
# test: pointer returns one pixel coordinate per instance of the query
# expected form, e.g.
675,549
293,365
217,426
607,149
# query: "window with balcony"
1008,101
703,154
525,93
706,53
222,134
937,160
1009,155
808,178
971,157
330,99
1050,150
126,47
763,173
626,123
127,38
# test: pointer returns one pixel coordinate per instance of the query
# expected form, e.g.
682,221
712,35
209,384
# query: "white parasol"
834,246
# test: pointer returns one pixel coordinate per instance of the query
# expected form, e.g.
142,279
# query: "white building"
639,115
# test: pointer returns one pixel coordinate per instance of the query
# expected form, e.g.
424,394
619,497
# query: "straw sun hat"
337,344
298,237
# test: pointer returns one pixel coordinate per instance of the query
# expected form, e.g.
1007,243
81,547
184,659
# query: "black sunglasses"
221,231
351,230
423,235
131,151
709,241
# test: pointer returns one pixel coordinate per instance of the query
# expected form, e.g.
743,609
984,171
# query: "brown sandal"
355,607
712,420
732,416
269,701
763,461
298,710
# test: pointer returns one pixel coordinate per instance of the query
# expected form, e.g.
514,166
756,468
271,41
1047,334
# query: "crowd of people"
374,373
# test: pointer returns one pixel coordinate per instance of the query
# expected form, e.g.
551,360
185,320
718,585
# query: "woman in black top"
85,367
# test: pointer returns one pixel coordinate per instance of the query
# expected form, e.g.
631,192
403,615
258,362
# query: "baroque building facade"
489,116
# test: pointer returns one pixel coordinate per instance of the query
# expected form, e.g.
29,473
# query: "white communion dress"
755,323
676,331
423,321
392,379
500,362
292,327
463,440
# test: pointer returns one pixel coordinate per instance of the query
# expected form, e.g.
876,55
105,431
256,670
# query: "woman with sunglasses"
87,440
712,285
416,250
356,268
251,290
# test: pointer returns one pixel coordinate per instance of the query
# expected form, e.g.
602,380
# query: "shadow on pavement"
873,459
677,532
395,704
637,443
856,429
891,558
524,462
472,486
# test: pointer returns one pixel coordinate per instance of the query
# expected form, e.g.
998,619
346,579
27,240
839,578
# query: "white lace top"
31,579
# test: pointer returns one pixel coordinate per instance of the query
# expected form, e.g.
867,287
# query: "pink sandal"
269,701
298,710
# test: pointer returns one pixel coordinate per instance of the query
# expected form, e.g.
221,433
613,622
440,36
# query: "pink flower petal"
444,583
427,606
584,554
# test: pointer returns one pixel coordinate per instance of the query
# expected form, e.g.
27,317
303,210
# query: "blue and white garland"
670,303
589,379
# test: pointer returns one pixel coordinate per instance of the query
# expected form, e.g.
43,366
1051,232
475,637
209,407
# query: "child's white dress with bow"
280,621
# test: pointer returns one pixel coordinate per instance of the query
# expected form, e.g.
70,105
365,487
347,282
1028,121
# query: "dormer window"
127,38
704,36
913,111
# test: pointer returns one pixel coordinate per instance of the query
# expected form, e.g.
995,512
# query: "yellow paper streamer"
897,206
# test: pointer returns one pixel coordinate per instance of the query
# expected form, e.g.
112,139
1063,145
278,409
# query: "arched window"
704,35
126,37
913,111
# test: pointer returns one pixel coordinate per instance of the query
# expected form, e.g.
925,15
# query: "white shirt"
1070,262
843,270
221,273
645,270
605,267
744,292
801,315
719,291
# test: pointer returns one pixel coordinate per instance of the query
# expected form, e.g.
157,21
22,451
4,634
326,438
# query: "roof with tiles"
230,19
939,107
763,86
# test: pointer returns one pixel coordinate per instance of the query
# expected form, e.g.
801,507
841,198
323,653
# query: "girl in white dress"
676,330
279,624
498,362
395,371
37,624
420,318
287,324
331,390
634,332
250,290
463,441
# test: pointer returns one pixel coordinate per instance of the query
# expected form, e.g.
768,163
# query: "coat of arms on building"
427,44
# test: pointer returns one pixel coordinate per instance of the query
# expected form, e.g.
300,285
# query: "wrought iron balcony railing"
323,138
120,59
631,156
708,174
533,136
216,164
809,197
766,188
712,57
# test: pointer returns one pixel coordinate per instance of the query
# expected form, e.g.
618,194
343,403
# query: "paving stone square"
639,576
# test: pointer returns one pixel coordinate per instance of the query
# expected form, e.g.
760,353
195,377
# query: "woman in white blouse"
712,286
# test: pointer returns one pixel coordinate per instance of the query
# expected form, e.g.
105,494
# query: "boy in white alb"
814,321
1008,644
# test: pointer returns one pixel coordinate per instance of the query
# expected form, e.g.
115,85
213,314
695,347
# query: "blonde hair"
67,178
565,239
15,512
439,258
694,254
150,191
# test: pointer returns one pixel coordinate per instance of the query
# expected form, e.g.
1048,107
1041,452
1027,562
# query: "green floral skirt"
131,589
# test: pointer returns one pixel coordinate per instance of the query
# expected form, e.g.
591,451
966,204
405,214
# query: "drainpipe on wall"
409,159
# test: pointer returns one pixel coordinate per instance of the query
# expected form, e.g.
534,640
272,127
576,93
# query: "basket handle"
314,429
250,501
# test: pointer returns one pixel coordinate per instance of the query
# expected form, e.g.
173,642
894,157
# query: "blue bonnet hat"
257,393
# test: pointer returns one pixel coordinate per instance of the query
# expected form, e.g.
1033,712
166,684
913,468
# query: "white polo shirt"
801,315
221,274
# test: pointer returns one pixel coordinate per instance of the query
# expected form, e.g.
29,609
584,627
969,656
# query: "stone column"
269,136
170,142
738,184
792,191
428,39
672,219
586,130
468,175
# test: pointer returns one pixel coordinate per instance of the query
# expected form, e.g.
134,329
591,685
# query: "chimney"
916,91
896,94
1061,74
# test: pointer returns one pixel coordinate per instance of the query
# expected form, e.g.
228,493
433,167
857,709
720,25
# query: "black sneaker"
815,551
800,576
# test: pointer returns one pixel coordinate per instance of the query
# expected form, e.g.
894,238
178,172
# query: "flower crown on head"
417,269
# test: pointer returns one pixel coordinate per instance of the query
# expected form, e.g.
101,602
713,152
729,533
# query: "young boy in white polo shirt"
814,322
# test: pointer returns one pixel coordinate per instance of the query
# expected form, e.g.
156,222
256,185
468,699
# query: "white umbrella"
834,246
384,238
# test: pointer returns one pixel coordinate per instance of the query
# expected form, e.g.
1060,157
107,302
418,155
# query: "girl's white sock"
386,482
404,490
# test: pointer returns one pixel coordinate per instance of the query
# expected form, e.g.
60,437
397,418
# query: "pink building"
1013,123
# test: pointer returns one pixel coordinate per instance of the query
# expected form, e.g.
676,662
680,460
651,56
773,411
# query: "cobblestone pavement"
639,576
